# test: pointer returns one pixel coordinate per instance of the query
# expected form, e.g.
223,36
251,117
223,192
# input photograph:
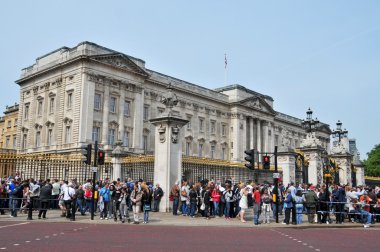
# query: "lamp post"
310,124
338,132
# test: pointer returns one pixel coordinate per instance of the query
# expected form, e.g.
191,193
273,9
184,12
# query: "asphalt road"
37,236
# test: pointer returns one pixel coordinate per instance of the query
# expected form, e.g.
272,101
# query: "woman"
136,197
206,202
266,200
288,205
193,200
123,209
174,194
299,206
215,195
243,203
146,201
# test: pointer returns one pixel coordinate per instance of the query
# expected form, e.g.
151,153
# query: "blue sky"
319,54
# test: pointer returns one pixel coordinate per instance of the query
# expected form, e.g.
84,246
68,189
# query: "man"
157,194
311,200
17,196
34,190
174,194
256,205
339,198
45,195
69,200
136,197
293,192
55,194
184,194
364,209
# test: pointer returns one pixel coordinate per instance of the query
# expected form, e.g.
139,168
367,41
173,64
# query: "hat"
311,187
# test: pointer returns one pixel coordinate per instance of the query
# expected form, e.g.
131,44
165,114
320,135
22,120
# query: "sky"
319,54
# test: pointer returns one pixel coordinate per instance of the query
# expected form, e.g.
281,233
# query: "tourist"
104,199
299,201
184,197
266,205
311,200
45,197
146,201
243,203
288,205
157,195
215,195
175,194
136,197
193,200
123,208
256,205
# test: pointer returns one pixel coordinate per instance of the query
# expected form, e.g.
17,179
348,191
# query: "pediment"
257,103
120,61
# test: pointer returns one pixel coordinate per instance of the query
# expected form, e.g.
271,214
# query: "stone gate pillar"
342,158
360,180
117,155
312,149
168,149
287,161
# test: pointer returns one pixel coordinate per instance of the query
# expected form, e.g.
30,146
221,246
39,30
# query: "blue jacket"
288,201
105,193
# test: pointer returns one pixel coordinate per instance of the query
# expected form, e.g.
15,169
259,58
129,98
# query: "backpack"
35,190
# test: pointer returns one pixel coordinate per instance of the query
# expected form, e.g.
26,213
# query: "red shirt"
256,196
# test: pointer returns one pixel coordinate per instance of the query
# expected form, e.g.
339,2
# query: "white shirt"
68,193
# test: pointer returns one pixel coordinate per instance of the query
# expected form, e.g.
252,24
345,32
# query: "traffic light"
266,162
86,151
250,158
101,156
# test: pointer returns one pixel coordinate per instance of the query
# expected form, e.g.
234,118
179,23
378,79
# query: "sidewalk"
167,219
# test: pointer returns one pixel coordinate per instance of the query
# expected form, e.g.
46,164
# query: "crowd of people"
207,199
213,199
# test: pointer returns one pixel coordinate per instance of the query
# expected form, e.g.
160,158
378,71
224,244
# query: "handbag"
146,207
203,206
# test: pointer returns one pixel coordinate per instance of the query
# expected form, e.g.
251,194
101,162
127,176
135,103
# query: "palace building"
74,96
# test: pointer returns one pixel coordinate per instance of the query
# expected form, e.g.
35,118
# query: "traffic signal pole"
94,170
276,183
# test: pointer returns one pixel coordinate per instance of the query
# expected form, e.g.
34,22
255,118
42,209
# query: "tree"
372,164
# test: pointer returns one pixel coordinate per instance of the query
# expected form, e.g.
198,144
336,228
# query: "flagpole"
225,69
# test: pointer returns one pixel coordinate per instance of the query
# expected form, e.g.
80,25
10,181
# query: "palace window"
9,124
98,102
187,150
189,123
26,111
49,137
201,124
146,113
69,101
223,130
111,136
126,139
127,107
200,150
113,104
67,134
15,125
24,141
223,154
95,133
14,141
7,141
212,129
39,108
145,143
212,152
51,105
38,139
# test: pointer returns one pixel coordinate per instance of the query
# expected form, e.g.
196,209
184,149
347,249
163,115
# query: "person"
311,200
288,205
193,200
339,199
115,201
228,196
157,195
293,192
184,197
215,195
266,200
243,203
17,195
55,194
174,194
364,208
34,190
123,208
256,205
80,200
146,202
299,206
136,197
45,196
206,201
69,200
104,200
3,196
88,198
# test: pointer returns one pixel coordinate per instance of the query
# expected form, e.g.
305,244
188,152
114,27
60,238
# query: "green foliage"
372,164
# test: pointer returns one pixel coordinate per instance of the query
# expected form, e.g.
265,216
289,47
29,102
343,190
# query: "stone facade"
74,96
8,128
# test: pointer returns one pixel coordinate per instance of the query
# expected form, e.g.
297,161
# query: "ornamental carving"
319,173
339,148
175,133
161,133
310,141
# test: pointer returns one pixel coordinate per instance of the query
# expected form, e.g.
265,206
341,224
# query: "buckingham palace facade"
74,96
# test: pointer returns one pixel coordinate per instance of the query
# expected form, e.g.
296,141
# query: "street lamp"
310,124
339,133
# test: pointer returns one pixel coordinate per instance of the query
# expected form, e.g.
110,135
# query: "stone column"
138,122
117,154
121,116
251,143
286,160
167,155
360,180
258,126
313,156
105,114
272,136
343,162
265,136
